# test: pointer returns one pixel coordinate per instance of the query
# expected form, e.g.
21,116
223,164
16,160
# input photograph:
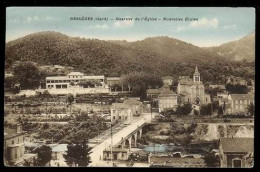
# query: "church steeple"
196,75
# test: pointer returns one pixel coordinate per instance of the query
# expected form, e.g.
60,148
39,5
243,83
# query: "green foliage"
70,98
78,154
237,88
211,160
139,82
184,109
44,155
251,109
206,109
160,55
27,74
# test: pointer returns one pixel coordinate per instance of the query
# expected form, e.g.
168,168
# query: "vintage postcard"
129,87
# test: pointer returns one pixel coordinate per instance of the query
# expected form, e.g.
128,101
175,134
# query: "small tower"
196,75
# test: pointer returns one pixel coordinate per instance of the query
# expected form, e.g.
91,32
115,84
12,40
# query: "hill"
159,55
243,48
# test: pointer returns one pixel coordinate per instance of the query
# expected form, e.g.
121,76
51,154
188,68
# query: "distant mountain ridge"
243,48
159,55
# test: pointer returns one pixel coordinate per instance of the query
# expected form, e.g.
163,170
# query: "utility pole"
111,145
151,110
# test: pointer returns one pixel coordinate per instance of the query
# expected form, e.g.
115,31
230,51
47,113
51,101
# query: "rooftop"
113,78
153,91
167,92
10,132
131,102
120,106
242,96
116,150
237,144
196,71
76,73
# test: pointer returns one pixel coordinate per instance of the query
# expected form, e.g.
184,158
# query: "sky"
206,26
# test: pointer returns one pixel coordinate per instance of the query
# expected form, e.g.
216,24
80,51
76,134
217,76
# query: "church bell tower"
196,75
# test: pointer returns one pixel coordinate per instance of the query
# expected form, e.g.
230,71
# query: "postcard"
129,87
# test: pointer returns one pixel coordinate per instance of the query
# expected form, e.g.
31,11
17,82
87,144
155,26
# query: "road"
97,152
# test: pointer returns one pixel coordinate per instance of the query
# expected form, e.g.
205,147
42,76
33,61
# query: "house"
192,91
153,95
167,99
64,82
57,155
120,112
118,154
135,105
14,147
240,102
167,80
236,152
126,110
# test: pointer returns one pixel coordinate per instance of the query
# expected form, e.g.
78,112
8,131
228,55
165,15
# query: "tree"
205,109
139,82
251,109
78,154
70,100
27,74
211,160
44,155
220,111
185,109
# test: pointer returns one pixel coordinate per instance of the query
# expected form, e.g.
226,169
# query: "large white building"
64,82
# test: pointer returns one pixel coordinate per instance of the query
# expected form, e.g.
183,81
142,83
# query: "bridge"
126,137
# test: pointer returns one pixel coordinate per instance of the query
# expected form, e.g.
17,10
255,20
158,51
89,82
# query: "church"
192,90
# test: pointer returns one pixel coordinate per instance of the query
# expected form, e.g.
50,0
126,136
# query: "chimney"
19,128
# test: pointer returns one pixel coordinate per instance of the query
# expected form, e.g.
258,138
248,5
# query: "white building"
64,82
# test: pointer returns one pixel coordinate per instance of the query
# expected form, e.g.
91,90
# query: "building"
57,155
120,112
126,110
64,82
167,100
192,91
14,147
167,80
118,154
240,102
135,105
110,81
236,152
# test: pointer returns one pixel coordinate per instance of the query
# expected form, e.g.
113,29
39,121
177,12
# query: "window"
188,99
21,151
236,107
241,101
122,155
56,81
245,101
48,81
236,101
15,152
12,141
237,163
206,99
241,107
52,81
